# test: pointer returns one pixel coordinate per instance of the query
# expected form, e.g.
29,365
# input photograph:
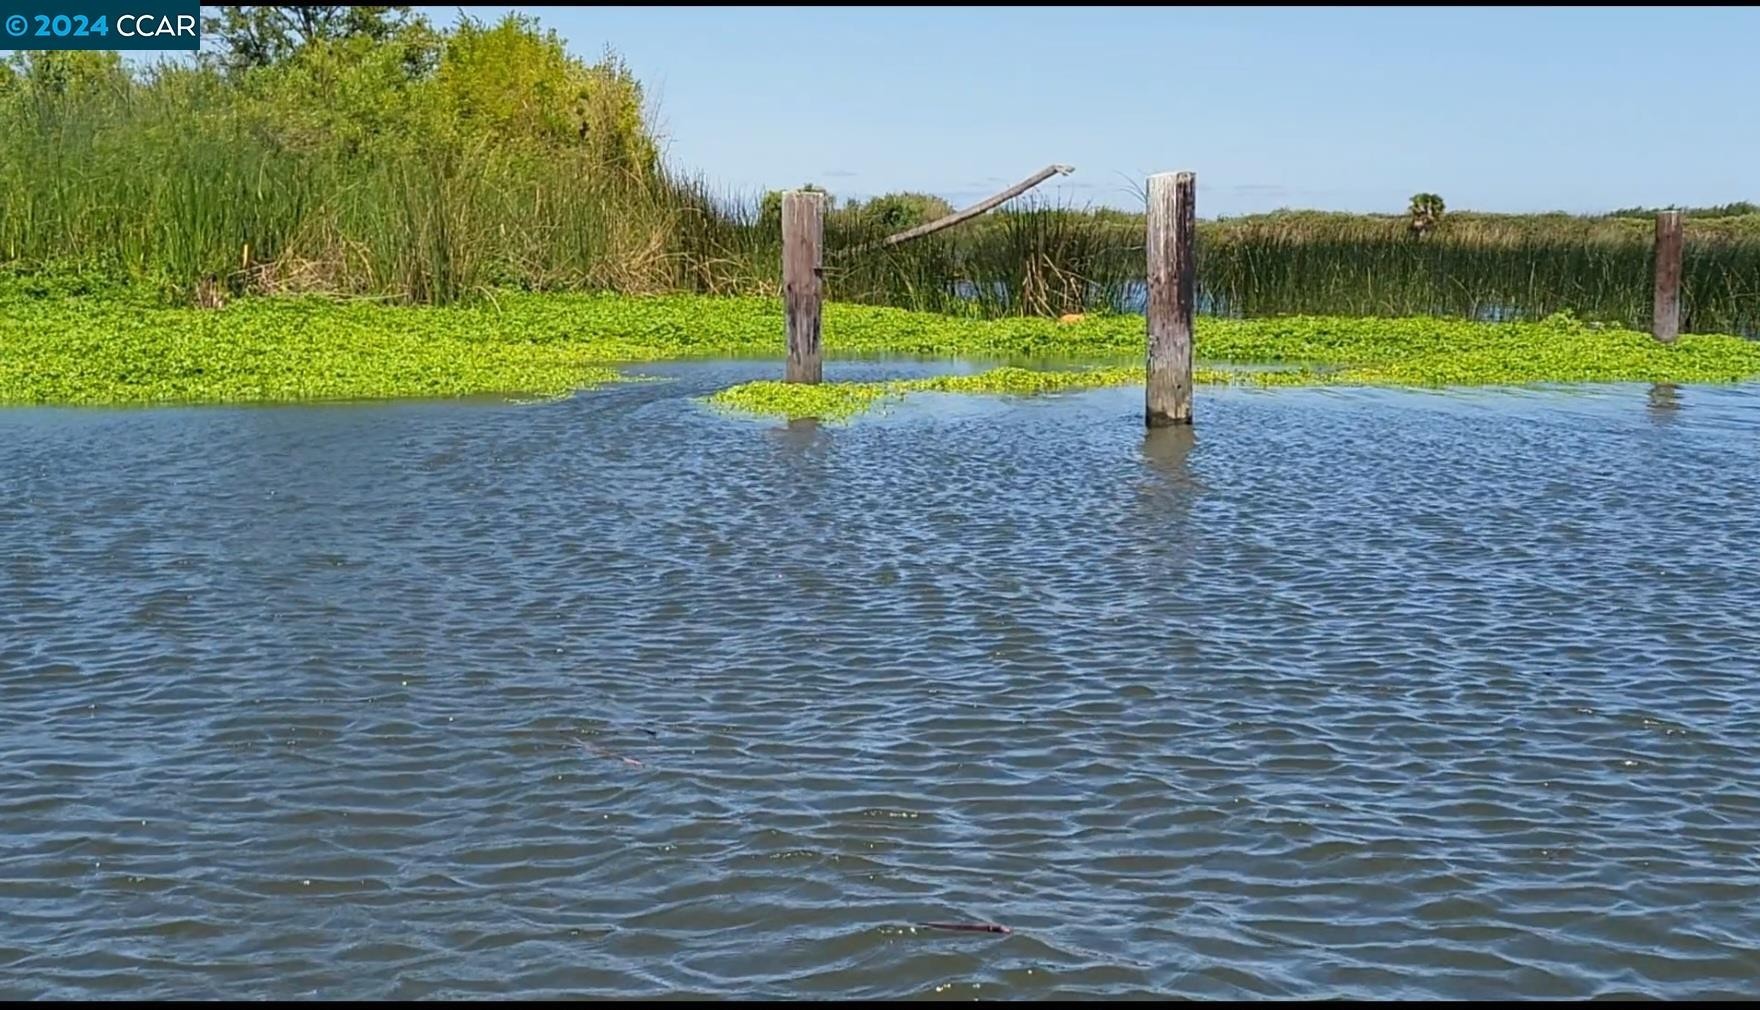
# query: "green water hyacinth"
841,401
1328,352
103,353
66,343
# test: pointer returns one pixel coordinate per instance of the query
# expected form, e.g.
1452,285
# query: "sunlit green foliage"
1325,352
239,37
71,338
898,211
409,163
81,350
840,401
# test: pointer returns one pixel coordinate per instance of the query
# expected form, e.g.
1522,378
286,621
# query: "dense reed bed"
1049,261
424,167
1478,267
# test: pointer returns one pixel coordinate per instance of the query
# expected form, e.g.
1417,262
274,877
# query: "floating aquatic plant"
1361,352
102,346
838,401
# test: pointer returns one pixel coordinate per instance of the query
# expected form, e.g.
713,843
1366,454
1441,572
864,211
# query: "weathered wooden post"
803,231
1665,316
1172,293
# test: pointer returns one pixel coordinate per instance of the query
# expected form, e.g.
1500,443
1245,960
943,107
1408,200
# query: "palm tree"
1426,212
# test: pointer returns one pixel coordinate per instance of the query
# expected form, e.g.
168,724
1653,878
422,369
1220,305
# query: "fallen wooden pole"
803,232
1172,297
957,216
978,208
1665,317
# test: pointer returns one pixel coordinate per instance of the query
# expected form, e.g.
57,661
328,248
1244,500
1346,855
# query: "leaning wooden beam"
965,215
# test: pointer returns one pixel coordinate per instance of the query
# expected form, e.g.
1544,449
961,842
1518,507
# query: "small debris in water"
967,927
593,748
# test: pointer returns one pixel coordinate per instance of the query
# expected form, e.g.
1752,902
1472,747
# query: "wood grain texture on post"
1172,297
1665,316
803,232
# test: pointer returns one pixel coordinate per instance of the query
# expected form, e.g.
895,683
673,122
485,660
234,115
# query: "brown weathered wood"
803,233
931,227
1665,318
980,207
1172,298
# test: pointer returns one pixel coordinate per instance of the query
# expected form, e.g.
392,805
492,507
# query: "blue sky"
1350,109
1344,108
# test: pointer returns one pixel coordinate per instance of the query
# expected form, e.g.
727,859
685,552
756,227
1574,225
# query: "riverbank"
108,347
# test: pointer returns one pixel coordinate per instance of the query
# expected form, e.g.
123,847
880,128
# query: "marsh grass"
170,206
1477,267
1046,260
427,169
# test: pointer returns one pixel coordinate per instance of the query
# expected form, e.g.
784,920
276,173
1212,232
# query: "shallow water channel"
1354,692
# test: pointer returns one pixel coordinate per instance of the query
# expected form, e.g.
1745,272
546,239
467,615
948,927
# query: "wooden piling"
803,232
1665,317
1172,296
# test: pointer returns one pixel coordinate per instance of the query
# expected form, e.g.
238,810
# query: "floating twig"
593,748
967,927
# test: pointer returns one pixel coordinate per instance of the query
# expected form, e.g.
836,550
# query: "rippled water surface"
1356,693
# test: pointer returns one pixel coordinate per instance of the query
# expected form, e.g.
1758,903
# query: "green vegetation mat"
68,345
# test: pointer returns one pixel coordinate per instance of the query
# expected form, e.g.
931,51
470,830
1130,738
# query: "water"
1358,693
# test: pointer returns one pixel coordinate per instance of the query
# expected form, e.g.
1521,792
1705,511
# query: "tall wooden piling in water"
803,233
1665,316
1172,297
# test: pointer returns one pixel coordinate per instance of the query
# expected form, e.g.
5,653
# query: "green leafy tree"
347,95
770,210
258,36
515,80
71,72
898,211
